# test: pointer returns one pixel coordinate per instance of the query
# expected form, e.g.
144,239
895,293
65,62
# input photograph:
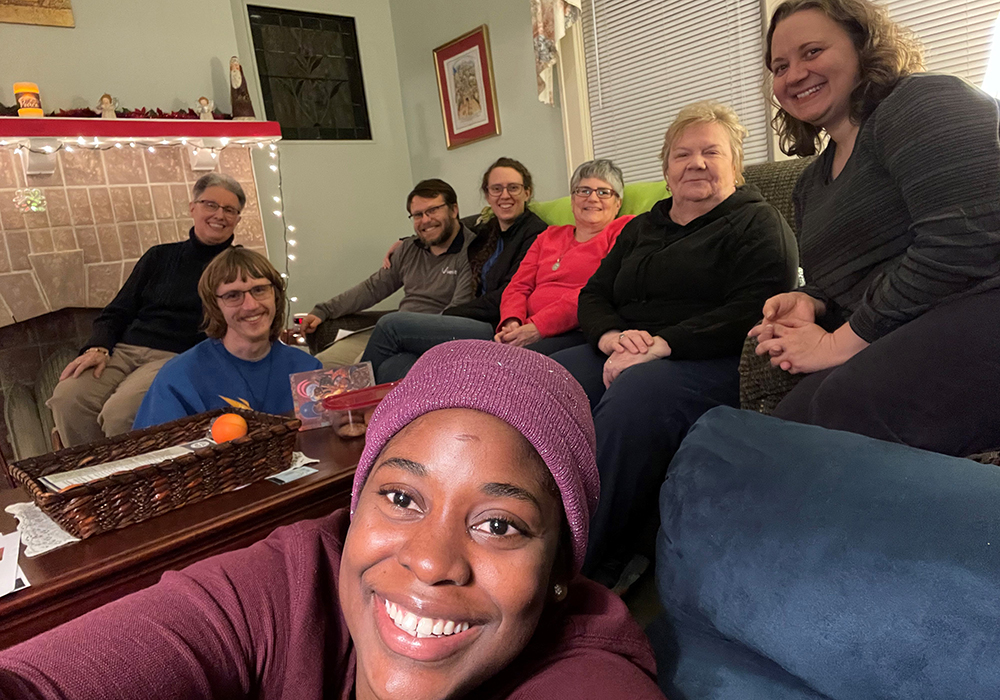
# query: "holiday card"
310,388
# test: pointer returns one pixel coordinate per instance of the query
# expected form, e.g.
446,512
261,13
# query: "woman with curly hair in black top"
899,234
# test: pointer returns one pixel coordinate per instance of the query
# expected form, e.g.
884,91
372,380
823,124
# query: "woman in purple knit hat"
455,574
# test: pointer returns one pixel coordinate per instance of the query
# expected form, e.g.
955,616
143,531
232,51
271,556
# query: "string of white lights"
286,228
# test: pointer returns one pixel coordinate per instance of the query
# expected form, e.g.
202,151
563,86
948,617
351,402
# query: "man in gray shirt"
432,267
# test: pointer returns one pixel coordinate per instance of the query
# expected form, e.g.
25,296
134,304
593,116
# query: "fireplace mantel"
69,129
38,138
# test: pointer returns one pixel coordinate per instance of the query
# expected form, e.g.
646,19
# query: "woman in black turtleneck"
156,314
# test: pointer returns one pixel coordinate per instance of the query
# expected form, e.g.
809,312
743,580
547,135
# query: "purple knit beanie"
523,388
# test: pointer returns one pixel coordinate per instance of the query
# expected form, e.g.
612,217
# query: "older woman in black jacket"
666,315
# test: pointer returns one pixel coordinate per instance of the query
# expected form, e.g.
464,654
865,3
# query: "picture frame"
464,68
51,13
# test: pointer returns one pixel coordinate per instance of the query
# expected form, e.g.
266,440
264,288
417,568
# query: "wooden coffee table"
79,577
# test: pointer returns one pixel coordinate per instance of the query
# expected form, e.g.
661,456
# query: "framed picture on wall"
467,89
52,13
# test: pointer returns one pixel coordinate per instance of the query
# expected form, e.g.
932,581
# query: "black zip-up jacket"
158,306
516,241
700,287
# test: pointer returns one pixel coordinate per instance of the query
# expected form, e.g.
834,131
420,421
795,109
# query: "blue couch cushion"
859,569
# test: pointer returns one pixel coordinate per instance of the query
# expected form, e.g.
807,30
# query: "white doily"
39,532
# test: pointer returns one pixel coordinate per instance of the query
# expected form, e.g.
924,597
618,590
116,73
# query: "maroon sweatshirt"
265,622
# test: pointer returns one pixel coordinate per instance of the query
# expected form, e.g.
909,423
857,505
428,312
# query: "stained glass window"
310,74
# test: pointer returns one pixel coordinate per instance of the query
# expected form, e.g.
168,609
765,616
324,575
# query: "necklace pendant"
555,266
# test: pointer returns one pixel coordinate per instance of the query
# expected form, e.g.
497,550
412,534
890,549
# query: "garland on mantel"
141,113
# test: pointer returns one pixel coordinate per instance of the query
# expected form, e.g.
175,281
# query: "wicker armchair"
762,386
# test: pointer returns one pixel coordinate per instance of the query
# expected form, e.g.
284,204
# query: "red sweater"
545,297
265,623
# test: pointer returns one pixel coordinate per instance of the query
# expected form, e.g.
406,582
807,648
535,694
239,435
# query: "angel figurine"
242,107
107,106
205,108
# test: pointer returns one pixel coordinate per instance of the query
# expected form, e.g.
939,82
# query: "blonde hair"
238,263
708,112
887,52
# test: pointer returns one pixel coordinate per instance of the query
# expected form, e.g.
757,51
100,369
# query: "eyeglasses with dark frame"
602,192
213,207
429,211
235,297
514,189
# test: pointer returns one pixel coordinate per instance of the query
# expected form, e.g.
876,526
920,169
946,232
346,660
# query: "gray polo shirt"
431,283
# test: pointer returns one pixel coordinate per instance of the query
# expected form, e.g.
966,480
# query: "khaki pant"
347,351
86,408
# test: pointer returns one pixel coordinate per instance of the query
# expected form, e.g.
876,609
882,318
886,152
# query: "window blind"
956,34
648,58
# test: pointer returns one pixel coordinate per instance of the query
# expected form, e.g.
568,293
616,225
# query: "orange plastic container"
352,410
29,103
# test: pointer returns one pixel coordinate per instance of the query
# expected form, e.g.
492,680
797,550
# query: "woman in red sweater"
538,308
453,576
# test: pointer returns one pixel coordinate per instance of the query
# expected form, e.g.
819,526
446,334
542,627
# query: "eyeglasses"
213,207
235,297
602,192
513,189
417,215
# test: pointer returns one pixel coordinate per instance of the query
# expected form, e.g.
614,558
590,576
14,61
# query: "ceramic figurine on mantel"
107,106
205,108
242,107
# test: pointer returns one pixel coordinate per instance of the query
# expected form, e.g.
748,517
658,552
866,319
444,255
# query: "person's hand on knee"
96,358
310,323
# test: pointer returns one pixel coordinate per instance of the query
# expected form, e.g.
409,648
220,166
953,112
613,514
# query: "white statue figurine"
205,108
107,106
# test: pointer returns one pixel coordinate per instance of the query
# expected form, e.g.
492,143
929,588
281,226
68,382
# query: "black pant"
640,421
933,383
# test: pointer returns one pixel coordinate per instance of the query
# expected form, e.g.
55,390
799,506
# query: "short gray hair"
219,180
602,169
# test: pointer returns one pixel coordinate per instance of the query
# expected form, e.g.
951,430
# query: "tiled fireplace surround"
104,209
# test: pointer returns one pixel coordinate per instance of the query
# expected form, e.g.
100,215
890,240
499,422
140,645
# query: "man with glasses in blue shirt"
155,315
432,267
242,363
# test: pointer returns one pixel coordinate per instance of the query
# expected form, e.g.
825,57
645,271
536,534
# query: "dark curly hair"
887,52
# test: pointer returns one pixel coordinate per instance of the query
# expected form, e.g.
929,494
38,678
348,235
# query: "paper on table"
299,459
10,547
297,470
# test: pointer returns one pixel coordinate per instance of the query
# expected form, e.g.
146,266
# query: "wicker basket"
122,499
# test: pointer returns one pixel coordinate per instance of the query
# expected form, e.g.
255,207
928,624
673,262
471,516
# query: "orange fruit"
228,426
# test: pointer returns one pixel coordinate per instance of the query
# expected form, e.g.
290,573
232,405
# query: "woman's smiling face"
449,558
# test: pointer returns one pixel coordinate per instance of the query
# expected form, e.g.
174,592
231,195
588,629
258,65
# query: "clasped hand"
513,333
795,343
628,348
